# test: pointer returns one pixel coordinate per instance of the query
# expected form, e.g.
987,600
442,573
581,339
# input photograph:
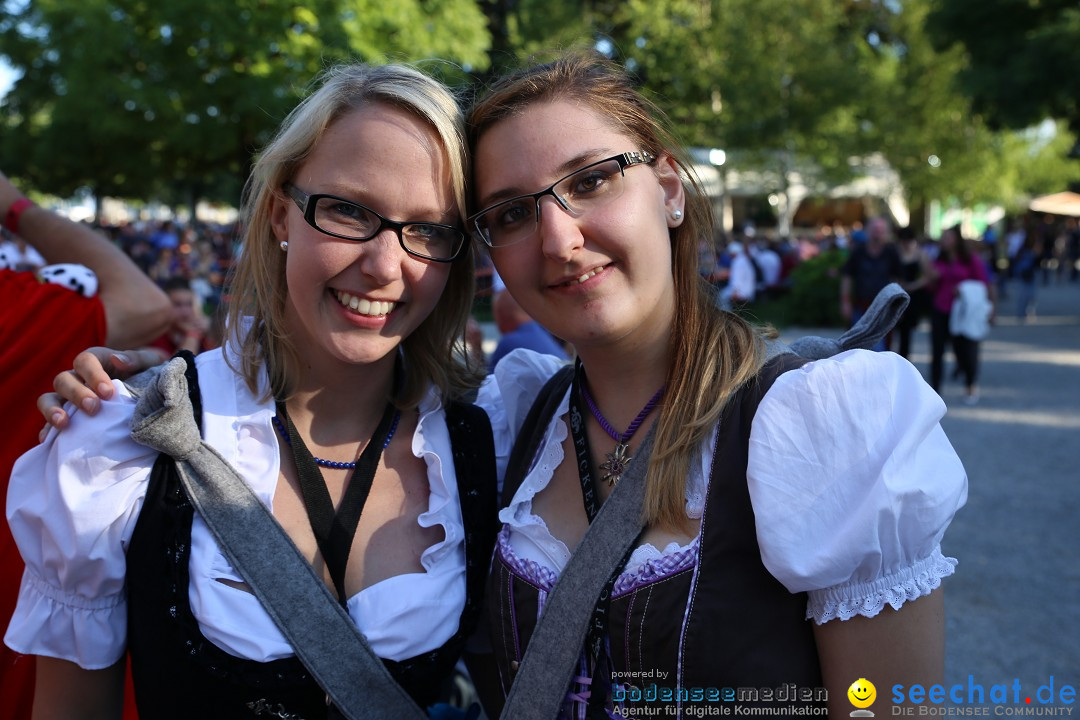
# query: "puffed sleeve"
72,505
508,393
853,483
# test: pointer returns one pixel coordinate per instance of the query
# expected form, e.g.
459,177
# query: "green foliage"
814,297
931,133
170,99
775,78
1024,56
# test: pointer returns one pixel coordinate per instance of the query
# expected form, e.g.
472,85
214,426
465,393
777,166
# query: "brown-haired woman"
783,510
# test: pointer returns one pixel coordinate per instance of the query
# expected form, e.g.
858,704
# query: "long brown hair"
257,331
961,252
712,352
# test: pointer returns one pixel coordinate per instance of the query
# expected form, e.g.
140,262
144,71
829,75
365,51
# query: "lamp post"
718,159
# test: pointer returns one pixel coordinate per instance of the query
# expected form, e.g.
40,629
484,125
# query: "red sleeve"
42,327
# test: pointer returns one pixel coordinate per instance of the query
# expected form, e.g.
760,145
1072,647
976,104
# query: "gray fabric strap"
323,636
879,319
539,689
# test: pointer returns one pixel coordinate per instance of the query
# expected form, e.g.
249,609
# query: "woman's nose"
381,256
560,234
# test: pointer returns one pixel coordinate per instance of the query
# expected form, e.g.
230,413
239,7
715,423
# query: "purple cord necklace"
619,458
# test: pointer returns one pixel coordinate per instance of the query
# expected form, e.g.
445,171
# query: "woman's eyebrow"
562,170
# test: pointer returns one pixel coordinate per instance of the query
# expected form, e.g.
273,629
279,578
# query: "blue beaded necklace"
333,464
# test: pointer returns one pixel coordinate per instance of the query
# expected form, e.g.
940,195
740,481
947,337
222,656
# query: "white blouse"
852,481
73,502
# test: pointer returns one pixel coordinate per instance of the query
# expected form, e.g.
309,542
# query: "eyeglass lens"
358,222
588,188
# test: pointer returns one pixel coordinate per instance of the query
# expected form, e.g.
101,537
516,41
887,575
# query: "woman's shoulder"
853,480
517,380
854,376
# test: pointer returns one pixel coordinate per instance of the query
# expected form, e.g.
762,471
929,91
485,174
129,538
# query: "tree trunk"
195,193
919,216
497,12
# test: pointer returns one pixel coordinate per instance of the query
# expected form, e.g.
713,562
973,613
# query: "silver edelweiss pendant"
617,462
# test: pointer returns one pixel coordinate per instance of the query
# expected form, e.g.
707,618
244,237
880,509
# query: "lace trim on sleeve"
869,598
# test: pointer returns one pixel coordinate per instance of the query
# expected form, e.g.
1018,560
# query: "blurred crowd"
189,261
749,267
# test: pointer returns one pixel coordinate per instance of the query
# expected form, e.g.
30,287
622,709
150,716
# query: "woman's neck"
621,380
341,403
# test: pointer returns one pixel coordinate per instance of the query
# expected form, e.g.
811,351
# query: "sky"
7,77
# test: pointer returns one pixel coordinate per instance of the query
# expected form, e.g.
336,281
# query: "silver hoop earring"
284,245
676,214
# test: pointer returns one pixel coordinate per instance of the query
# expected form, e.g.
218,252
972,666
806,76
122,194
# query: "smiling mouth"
363,306
582,278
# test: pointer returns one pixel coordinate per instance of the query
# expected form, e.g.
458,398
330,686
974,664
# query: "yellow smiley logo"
862,693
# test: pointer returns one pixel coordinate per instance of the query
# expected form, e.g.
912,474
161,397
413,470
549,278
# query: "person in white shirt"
742,283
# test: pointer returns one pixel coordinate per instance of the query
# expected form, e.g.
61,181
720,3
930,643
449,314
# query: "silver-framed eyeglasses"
589,187
347,220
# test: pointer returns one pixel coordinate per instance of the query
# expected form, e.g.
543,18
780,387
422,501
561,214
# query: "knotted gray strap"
879,319
539,689
323,636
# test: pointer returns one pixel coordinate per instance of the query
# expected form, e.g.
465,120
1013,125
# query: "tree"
1020,53
931,132
780,81
137,99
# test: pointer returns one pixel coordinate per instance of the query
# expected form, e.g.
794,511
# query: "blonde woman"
352,288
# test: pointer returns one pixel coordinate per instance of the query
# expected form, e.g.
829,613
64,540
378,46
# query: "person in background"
955,264
871,265
1072,248
190,328
742,281
518,330
914,276
764,255
1024,266
42,326
165,237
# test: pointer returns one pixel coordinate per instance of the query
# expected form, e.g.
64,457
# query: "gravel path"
1013,606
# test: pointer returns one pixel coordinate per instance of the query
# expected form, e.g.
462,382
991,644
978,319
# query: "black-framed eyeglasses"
589,187
347,220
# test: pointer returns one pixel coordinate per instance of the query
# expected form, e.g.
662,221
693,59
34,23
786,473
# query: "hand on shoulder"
90,382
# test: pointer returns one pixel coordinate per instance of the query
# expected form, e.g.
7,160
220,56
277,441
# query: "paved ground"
1013,606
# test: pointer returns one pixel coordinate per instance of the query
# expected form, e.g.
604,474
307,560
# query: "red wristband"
11,219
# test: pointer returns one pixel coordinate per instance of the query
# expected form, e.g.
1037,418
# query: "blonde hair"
432,353
713,352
